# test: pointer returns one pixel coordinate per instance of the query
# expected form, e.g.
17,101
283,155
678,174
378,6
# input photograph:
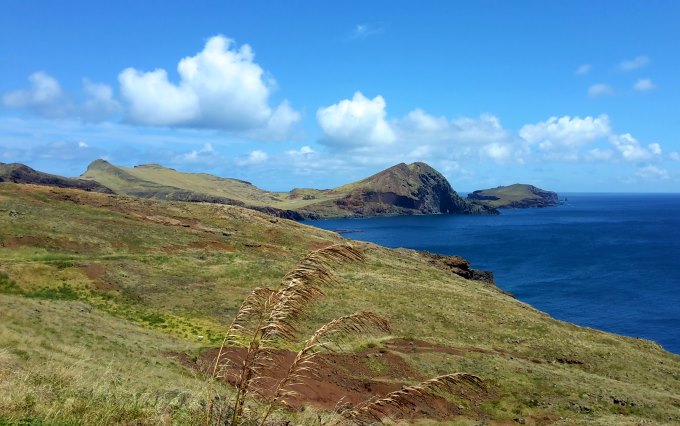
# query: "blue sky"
567,95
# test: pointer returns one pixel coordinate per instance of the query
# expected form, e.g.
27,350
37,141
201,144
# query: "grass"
150,277
56,368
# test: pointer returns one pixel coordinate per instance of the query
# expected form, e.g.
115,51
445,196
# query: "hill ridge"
416,188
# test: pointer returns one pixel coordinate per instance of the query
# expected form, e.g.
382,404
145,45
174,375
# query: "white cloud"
82,145
600,89
675,156
100,103
360,125
497,152
652,173
566,131
355,123
583,69
221,87
302,152
44,97
205,154
644,84
630,149
633,64
419,126
255,157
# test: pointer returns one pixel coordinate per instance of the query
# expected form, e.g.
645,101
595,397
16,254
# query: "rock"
13,213
520,420
458,266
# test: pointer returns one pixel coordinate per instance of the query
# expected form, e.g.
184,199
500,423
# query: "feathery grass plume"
302,285
399,400
268,317
304,363
243,326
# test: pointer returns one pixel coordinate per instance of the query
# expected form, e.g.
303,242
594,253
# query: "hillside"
110,305
19,173
514,197
401,189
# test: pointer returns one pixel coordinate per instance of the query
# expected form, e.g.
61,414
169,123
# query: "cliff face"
19,173
517,196
401,189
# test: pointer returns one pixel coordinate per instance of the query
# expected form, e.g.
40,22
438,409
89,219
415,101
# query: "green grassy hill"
107,300
401,189
514,196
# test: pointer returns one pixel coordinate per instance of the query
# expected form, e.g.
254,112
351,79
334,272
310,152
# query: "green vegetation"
105,300
515,196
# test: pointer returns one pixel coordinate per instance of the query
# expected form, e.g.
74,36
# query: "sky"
571,96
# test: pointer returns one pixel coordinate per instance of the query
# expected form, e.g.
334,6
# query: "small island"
517,196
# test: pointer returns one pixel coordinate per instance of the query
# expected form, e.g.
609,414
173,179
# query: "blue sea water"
608,261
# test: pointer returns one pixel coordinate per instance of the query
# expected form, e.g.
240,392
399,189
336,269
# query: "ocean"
607,261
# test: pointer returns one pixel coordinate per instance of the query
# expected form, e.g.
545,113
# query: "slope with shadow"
398,190
517,196
20,173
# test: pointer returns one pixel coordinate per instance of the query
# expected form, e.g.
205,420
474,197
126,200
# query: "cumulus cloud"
635,63
220,87
652,173
600,89
566,131
254,157
45,97
630,149
361,126
643,85
355,123
675,156
100,103
583,69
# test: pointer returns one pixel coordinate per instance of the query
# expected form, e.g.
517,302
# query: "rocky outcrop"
20,173
517,196
459,266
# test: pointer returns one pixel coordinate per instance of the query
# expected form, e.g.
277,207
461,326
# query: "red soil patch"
95,272
350,379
